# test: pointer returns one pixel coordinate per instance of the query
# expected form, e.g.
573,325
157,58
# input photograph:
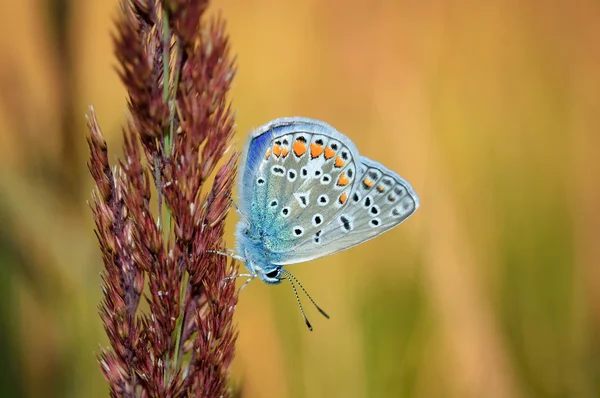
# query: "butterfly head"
258,265
271,276
257,256
264,270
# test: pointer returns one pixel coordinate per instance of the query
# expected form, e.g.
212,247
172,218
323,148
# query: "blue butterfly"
305,193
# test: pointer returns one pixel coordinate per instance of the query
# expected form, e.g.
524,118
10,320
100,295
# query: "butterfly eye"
273,274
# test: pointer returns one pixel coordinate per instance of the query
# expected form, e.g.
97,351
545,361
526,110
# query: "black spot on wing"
346,223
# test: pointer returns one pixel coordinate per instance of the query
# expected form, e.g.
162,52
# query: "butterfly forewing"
309,178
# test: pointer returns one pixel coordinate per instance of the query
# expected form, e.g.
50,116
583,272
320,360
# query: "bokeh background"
490,109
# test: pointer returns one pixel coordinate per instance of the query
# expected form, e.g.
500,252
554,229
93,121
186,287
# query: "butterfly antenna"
290,276
300,305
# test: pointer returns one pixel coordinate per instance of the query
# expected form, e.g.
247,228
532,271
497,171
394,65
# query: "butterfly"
305,192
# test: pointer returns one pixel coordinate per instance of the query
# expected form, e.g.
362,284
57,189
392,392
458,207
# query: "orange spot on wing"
329,153
343,197
284,152
380,188
268,154
299,148
316,150
343,180
276,150
368,182
339,162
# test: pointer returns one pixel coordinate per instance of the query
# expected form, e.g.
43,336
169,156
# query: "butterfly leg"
250,278
237,209
246,283
233,203
230,254
238,276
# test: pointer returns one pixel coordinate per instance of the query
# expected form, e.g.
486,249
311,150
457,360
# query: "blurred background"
490,109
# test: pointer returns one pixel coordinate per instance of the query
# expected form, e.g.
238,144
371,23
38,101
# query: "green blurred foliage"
490,110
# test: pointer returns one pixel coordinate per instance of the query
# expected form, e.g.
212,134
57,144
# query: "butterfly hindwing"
380,200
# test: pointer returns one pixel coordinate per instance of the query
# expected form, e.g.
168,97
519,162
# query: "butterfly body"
253,246
306,192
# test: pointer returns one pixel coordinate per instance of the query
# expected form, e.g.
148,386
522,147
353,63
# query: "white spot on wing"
303,198
292,174
346,223
374,210
278,170
325,179
323,200
317,220
298,231
304,173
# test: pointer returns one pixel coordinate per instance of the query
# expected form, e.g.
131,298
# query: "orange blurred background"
490,109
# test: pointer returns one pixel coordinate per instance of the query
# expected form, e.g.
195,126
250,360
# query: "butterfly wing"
298,186
294,168
379,201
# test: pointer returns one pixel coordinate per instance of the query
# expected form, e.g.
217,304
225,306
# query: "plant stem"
166,79
175,89
180,320
167,149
